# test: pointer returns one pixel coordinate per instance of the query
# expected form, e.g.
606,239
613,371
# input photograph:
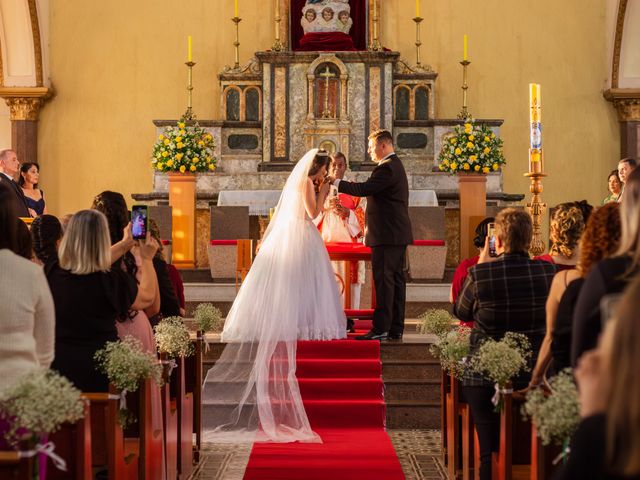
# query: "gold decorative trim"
25,102
617,45
626,101
37,43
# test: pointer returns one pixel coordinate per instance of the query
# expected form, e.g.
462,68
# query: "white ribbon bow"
48,450
172,364
499,391
123,399
206,343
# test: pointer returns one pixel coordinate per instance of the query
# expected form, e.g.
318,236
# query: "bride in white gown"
290,294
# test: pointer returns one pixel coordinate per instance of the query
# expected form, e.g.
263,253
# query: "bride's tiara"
322,153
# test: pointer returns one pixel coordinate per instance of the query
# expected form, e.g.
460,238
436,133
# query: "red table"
350,252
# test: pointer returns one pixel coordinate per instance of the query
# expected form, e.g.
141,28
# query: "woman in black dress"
89,295
29,177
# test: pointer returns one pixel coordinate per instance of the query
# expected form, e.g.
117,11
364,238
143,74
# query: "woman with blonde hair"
611,275
600,240
567,225
606,444
88,295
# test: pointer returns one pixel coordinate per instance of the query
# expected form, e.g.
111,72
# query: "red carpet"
342,390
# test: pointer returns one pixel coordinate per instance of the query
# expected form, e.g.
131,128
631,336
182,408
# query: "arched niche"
421,103
402,102
252,104
232,104
327,78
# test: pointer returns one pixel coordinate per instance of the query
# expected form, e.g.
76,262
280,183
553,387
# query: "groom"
387,232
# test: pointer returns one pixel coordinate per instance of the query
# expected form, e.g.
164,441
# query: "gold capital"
626,101
25,102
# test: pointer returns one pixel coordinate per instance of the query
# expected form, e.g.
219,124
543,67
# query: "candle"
535,129
235,8
189,52
418,8
464,47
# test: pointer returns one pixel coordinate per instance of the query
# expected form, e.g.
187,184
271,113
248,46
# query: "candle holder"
464,113
277,44
418,20
189,115
536,207
375,43
236,44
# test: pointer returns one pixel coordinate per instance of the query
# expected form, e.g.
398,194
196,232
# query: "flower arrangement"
471,148
500,361
436,322
452,349
127,364
556,416
172,337
40,402
183,149
208,318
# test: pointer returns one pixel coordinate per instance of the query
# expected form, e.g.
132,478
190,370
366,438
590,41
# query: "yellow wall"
117,65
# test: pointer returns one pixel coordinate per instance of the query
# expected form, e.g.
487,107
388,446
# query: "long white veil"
251,393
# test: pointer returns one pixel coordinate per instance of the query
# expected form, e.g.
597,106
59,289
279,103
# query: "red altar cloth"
326,41
348,251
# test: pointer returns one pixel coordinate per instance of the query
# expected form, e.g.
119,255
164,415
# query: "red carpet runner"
342,390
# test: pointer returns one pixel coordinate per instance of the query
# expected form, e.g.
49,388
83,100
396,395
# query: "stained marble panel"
280,105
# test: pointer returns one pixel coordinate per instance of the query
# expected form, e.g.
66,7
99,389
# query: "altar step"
411,379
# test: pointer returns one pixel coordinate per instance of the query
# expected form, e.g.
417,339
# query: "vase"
473,209
182,199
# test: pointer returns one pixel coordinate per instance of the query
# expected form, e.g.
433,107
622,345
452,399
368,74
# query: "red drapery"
332,41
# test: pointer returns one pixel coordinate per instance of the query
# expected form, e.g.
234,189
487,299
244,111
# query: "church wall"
117,65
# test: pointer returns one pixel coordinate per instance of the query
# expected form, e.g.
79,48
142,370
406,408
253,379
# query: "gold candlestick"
236,44
189,115
375,44
464,113
536,208
277,45
418,20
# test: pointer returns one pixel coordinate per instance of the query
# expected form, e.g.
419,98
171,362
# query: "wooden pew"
169,423
444,389
73,445
196,388
15,467
513,460
459,432
184,401
107,441
542,457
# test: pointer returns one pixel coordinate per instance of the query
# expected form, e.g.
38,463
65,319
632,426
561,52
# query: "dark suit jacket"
387,214
20,204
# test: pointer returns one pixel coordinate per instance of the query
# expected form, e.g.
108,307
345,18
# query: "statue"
326,16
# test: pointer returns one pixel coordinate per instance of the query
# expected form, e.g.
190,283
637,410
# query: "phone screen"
139,219
491,233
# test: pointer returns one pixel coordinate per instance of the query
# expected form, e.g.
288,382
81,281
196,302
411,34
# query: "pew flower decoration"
471,148
126,364
172,338
39,403
501,360
208,318
436,322
557,415
452,349
184,148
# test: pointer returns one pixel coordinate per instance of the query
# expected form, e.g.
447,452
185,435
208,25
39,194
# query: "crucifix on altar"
327,111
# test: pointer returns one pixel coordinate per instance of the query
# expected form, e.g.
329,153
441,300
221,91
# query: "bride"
290,294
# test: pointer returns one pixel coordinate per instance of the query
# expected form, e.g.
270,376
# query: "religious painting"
328,25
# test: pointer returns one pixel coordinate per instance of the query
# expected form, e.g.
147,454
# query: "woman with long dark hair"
29,178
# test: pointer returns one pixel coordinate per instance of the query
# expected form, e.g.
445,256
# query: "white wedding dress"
290,294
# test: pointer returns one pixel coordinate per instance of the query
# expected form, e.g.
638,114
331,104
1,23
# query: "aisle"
342,390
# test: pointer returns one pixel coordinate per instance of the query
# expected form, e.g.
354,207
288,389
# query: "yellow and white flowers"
184,148
471,148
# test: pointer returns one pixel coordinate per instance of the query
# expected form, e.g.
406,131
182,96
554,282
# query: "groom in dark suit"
387,232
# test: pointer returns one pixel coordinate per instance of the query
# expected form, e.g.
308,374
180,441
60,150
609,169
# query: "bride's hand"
324,188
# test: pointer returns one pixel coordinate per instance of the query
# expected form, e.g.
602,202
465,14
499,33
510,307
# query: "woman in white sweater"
27,318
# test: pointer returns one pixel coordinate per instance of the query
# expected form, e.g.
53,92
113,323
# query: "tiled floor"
418,451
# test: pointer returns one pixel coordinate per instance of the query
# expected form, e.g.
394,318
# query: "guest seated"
27,318
169,306
29,176
600,240
460,275
46,234
610,275
502,294
567,224
615,188
606,444
89,295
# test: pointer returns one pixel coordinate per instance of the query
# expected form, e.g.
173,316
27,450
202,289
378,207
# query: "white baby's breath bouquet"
208,318
557,415
172,338
501,360
436,322
39,402
452,349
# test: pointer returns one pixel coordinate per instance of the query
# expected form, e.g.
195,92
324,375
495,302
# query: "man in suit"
9,167
387,232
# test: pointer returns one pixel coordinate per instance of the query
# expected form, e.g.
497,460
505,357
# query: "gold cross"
327,74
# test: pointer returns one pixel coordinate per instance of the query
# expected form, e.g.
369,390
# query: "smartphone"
491,233
139,221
